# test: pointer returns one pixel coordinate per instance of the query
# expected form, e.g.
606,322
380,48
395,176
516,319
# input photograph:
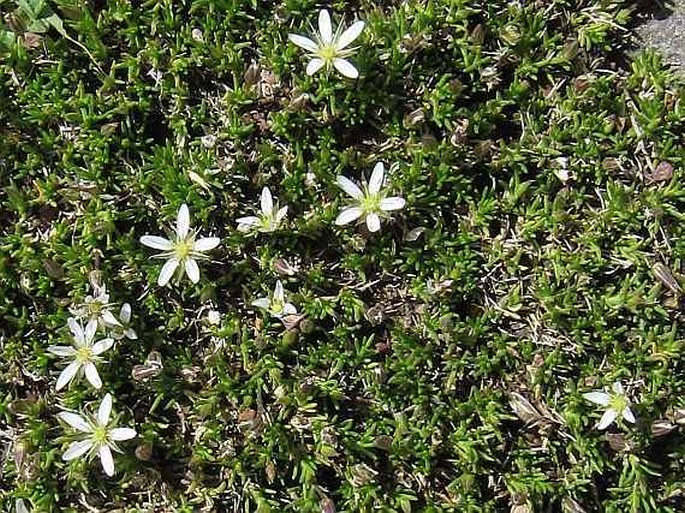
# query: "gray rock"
664,31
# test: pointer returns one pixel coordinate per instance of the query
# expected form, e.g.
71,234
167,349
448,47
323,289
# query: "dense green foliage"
443,360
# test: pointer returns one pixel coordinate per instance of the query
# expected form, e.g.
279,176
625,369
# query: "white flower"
20,506
124,329
269,218
183,251
276,304
616,403
98,437
84,353
370,203
97,307
214,317
330,48
208,141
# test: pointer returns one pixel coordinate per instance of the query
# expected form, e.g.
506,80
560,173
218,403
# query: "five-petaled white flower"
84,353
97,307
615,403
371,203
276,304
330,49
98,436
124,329
269,218
182,251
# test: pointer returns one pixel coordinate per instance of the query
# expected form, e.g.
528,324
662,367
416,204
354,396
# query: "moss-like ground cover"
442,361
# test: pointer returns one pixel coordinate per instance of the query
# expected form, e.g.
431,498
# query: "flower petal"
102,345
349,187
597,398
192,270
348,215
289,309
109,318
262,302
125,313
376,180
154,242
77,449
20,506
89,332
61,350
373,222
245,224
130,334
606,420
76,330
105,410
67,375
314,65
92,375
279,294
349,35
282,212
106,459
617,388
167,271
183,222
206,244
325,29
303,42
628,415
345,67
100,290
120,434
267,202
76,421
392,203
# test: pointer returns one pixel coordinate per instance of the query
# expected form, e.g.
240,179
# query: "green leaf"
56,22
7,39
37,26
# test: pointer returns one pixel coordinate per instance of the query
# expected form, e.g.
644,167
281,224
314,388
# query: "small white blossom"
269,218
615,404
329,48
182,251
97,307
84,353
98,436
197,35
20,506
214,317
276,304
124,329
371,203
208,141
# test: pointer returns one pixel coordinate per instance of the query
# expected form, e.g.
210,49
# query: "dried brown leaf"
662,428
665,276
569,505
523,409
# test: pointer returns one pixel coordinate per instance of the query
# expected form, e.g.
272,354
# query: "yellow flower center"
277,306
371,203
328,53
266,223
183,249
84,354
618,403
100,435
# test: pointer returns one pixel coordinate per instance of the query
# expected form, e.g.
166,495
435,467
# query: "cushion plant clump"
434,257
